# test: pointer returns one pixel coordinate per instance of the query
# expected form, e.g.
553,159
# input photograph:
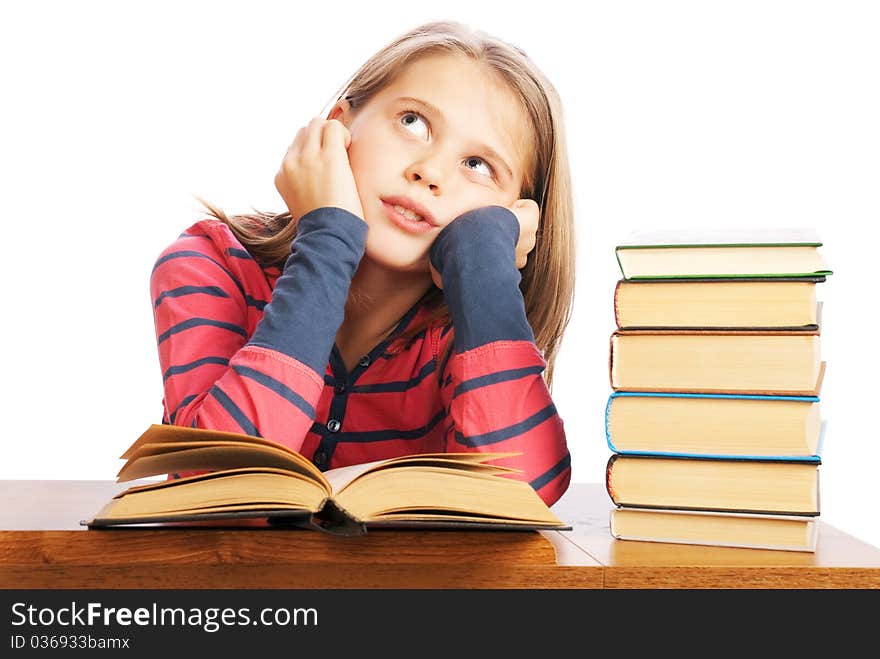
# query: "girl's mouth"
406,219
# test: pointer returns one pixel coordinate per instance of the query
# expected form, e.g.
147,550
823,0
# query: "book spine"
718,331
609,487
612,345
668,394
732,511
693,457
726,457
619,264
608,422
616,303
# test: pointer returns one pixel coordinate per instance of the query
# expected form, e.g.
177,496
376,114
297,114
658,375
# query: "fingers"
312,141
316,171
296,146
331,135
289,162
528,213
335,135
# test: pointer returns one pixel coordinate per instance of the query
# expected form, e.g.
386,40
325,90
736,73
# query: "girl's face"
445,137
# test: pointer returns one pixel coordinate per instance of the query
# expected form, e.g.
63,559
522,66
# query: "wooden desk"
840,560
42,545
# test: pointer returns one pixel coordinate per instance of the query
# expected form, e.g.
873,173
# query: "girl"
413,296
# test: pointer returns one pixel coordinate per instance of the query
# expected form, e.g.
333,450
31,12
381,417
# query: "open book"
251,478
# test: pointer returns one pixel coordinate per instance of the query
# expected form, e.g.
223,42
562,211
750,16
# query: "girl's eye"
474,163
415,123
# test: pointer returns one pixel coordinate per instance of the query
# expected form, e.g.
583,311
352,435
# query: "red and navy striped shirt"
250,349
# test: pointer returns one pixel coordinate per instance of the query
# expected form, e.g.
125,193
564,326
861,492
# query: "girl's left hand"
528,214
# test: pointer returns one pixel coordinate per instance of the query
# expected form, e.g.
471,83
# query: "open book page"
160,433
193,449
407,518
442,492
167,457
341,477
262,488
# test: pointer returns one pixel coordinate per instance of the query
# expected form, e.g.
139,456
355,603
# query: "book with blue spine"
727,426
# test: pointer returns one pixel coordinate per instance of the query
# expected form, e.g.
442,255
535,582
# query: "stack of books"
716,369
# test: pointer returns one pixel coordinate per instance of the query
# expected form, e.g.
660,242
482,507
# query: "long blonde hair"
547,283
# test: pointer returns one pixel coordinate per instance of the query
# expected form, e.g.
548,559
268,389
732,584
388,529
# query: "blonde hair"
547,283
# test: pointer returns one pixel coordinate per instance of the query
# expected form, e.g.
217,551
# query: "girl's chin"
398,262
418,267
389,249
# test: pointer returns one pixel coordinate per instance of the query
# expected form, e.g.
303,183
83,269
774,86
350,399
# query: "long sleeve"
492,385
237,355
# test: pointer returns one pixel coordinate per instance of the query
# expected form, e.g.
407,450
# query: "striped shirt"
250,349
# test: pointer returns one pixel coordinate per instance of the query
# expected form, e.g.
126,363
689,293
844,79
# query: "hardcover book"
721,253
717,361
251,478
743,486
717,304
777,532
715,425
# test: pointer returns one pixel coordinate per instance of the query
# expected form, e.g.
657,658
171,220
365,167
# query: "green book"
721,254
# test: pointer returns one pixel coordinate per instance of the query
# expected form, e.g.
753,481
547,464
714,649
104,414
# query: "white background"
679,114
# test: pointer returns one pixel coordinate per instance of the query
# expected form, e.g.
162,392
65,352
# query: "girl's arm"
492,386
207,293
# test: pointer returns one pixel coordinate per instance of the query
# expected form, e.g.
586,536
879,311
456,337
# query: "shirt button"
340,388
320,458
364,361
333,425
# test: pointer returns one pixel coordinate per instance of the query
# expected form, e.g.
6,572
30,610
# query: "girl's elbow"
553,491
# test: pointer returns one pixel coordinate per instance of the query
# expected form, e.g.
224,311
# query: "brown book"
250,478
778,487
783,362
774,303
777,532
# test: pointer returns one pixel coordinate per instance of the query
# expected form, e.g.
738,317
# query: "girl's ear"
341,111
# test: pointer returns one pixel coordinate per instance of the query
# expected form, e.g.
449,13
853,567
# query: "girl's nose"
428,173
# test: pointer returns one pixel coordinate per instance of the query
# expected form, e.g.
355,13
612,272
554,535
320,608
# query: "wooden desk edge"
584,558
645,575
72,560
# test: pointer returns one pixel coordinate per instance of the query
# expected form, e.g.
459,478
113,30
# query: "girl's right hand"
316,173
